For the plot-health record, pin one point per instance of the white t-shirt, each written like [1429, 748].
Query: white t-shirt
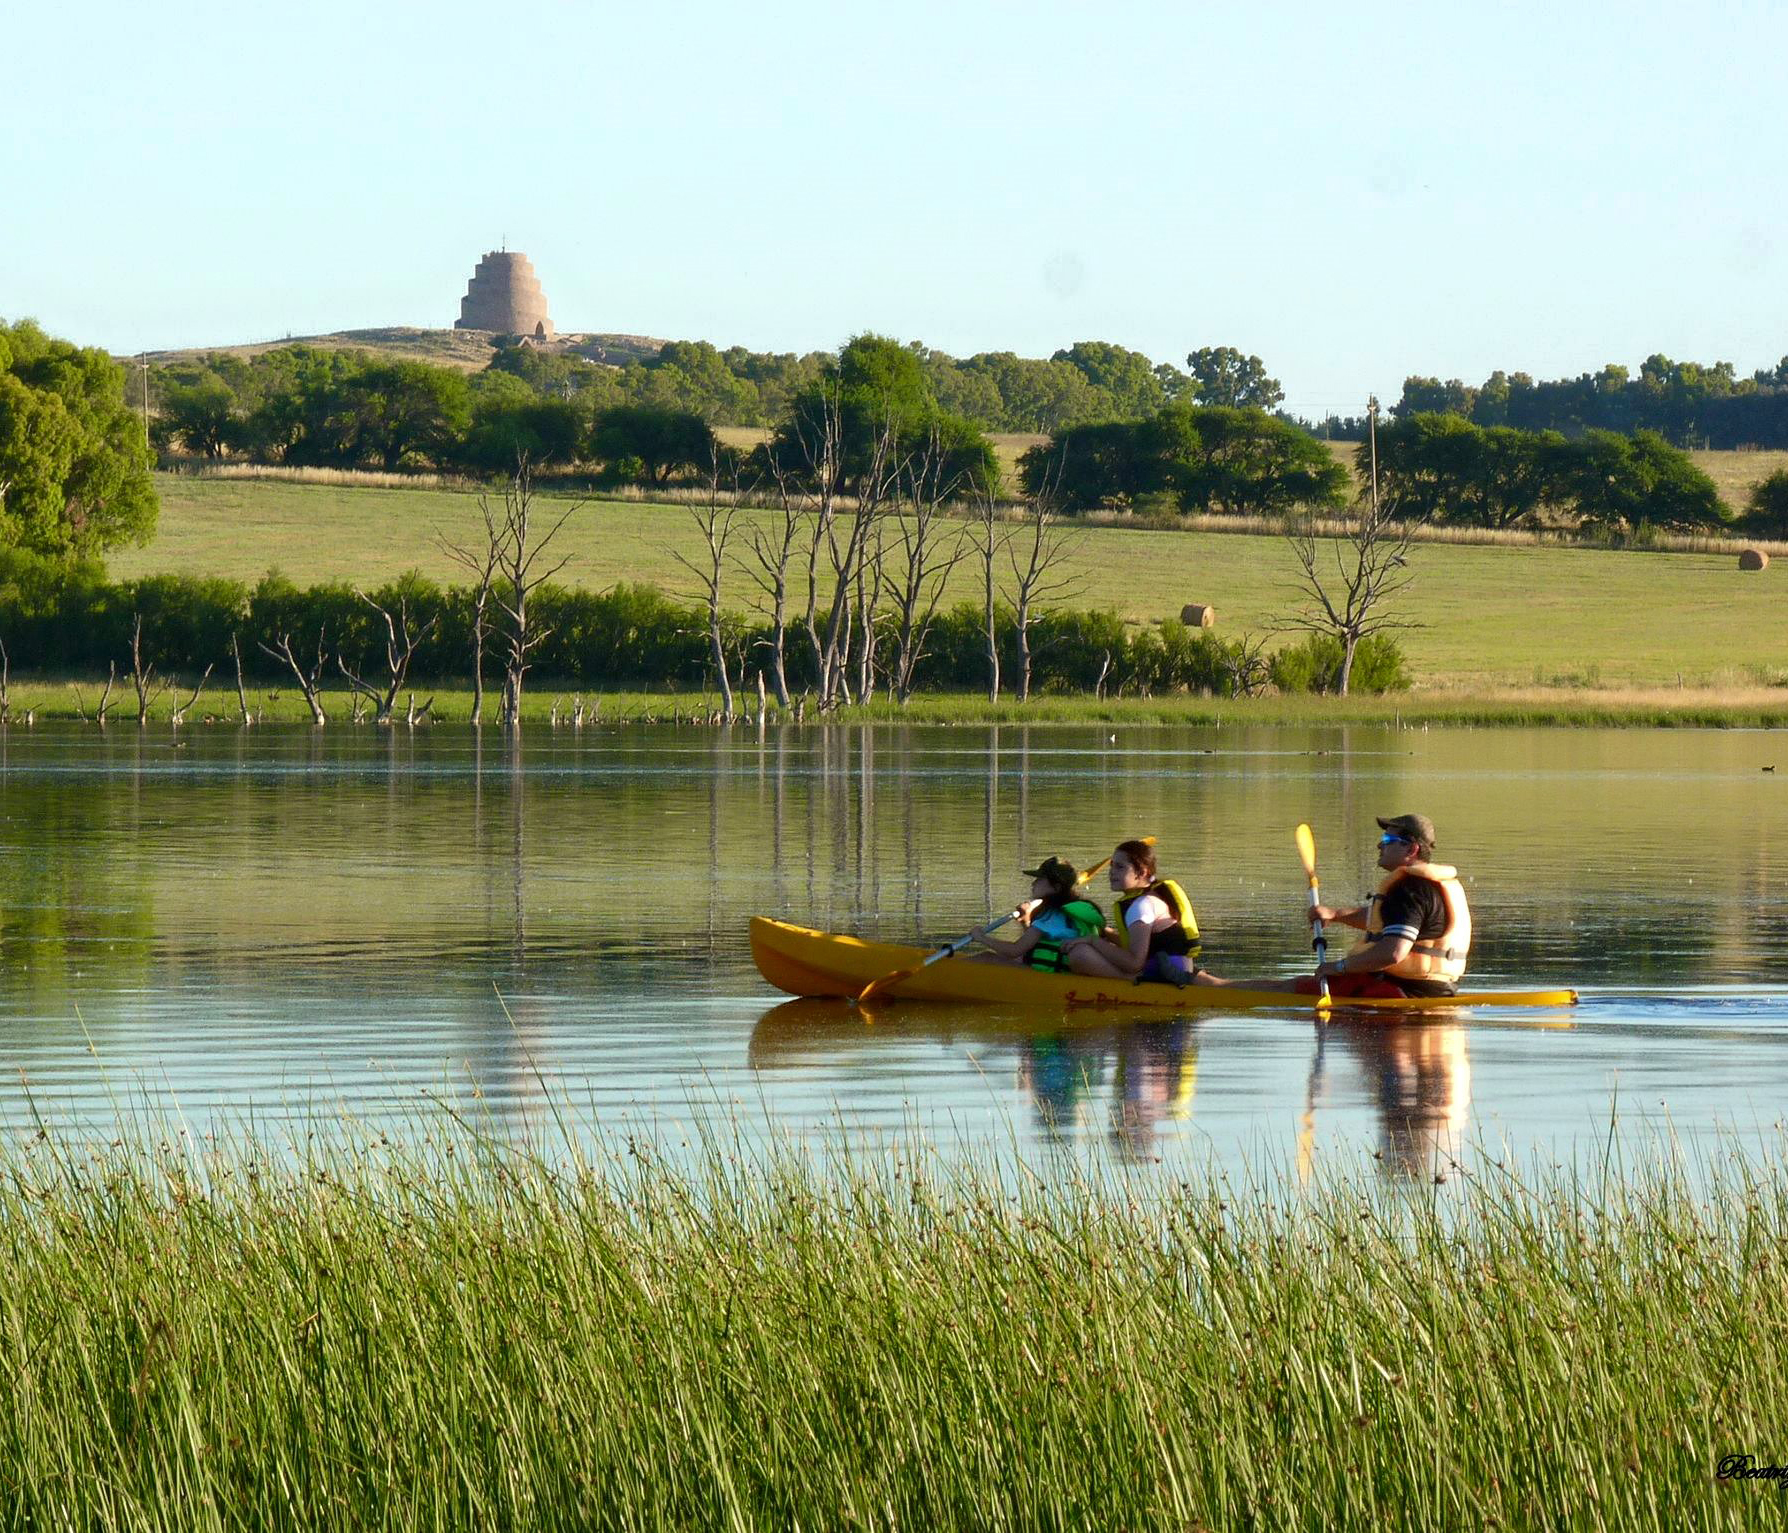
[1148, 910]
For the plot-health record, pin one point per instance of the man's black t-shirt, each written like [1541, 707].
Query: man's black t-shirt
[1416, 909]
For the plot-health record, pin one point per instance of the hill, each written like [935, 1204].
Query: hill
[468, 350]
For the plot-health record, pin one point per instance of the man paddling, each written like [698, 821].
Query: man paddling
[1417, 926]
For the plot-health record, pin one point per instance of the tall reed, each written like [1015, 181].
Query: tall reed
[462, 1332]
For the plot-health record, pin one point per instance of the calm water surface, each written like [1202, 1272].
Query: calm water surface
[287, 928]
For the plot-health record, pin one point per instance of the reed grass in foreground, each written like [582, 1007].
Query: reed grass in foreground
[465, 1335]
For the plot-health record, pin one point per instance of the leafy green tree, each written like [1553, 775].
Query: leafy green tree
[403, 411]
[1241, 461]
[506, 433]
[555, 374]
[1040, 396]
[1442, 468]
[1429, 396]
[300, 416]
[777, 376]
[964, 391]
[1128, 379]
[693, 376]
[202, 416]
[662, 441]
[1425, 459]
[1223, 376]
[1104, 463]
[1766, 511]
[74, 461]
[886, 379]
[880, 389]
[1618, 481]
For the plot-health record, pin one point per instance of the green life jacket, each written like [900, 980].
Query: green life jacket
[1087, 919]
[1177, 941]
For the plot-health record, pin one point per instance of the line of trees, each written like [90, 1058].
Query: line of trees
[1220, 458]
[1689, 404]
[302, 404]
[1432, 467]
[1442, 468]
[373, 642]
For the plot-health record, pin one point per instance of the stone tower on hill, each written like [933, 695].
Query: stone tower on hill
[504, 295]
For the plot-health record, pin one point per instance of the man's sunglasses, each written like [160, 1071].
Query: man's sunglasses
[1389, 838]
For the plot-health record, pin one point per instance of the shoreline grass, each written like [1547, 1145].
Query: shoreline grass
[460, 1332]
[1741, 705]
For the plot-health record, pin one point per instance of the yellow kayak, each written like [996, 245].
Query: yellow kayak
[810, 963]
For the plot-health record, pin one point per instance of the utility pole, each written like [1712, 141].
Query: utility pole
[1372, 430]
[143, 363]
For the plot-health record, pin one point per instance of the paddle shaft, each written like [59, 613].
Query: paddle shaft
[1306, 841]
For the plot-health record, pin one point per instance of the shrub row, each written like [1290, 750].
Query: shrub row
[62, 617]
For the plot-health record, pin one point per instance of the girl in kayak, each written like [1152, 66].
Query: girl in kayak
[1157, 931]
[1054, 916]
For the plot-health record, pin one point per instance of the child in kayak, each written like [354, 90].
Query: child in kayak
[1054, 916]
[1157, 931]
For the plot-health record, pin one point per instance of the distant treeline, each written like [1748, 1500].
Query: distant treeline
[1431, 467]
[307, 405]
[1687, 403]
[66, 617]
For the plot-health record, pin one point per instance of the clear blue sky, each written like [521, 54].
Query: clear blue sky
[1355, 193]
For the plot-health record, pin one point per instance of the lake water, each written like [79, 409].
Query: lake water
[289, 928]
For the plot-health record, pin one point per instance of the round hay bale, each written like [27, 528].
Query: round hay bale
[1753, 559]
[1195, 616]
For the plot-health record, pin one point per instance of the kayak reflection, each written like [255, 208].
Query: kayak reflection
[1134, 1082]
[1418, 1078]
[1134, 1077]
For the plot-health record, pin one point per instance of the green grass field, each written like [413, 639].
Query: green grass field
[1494, 618]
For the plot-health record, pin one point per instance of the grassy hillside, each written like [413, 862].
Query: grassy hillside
[468, 350]
[1497, 617]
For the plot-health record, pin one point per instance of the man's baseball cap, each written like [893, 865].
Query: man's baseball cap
[1059, 873]
[1411, 827]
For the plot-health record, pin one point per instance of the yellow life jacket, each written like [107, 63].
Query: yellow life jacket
[1441, 958]
[1179, 940]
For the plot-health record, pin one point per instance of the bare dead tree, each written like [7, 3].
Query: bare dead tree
[927, 550]
[143, 677]
[419, 715]
[105, 697]
[1039, 552]
[1244, 665]
[481, 563]
[773, 549]
[840, 538]
[520, 564]
[865, 630]
[987, 535]
[177, 716]
[401, 644]
[241, 691]
[309, 681]
[714, 515]
[1353, 600]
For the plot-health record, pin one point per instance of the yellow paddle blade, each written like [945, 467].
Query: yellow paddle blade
[1099, 866]
[878, 987]
[1307, 850]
